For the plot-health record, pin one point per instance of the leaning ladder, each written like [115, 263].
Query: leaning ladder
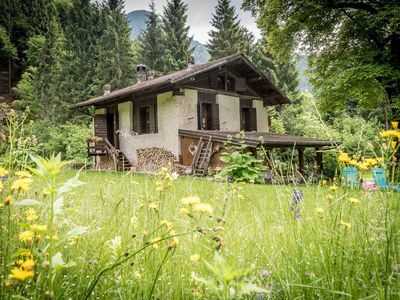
[201, 159]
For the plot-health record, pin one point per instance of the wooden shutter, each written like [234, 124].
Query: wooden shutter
[253, 119]
[215, 116]
[100, 126]
[199, 116]
[136, 118]
[153, 118]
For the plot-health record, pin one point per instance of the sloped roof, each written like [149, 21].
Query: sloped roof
[254, 139]
[185, 74]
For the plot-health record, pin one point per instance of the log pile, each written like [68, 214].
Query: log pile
[151, 160]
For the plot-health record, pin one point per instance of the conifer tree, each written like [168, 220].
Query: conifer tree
[150, 42]
[177, 40]
[114, 59]
[227, 37]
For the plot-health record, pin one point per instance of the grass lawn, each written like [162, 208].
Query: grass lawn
[343, 244]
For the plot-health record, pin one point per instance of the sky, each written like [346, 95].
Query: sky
[199, 15]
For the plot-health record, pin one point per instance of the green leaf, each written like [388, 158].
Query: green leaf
[58, 205]
[69, 185]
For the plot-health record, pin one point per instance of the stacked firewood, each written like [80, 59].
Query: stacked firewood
[153, 159]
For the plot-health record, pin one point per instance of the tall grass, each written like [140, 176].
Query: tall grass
[338, 248]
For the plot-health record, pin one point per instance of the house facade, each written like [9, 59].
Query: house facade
[179, 113]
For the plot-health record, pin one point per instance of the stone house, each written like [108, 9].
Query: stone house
[186, 116]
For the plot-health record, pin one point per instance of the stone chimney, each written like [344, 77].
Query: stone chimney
[106, 89]
[141, 73]
[190, 62]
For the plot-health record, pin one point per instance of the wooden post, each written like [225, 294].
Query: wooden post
[301, 160]
[319, 158]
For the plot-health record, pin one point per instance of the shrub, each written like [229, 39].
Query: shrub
[242, 165]
[67, 139]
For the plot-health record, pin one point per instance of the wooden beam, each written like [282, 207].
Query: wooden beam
[254, 79]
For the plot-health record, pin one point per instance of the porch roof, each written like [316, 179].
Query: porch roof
[255, 139]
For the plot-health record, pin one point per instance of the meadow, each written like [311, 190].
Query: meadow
[127, 236]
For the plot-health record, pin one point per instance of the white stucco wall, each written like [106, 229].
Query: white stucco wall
[262, 116]
[173, 113]
[229, 113]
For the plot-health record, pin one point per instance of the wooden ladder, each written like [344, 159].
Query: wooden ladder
[201, 159]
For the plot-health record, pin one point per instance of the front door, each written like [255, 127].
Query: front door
[113, 127]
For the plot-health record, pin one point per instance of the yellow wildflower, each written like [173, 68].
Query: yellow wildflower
[389, 134]
[167, 224]
[31, 215]
[323, 182]
[194, 257]
[28, 264]
[190, 200]
[23, 174]
[353, 162]
[343, 157]
[174, 243]
[345, 224]
[319, 210]
[333, 187]
[20, 274]
[354, 200]
[393, 144]
[395, 124]
[203, 207]
[152, 205]
[26, 236]
[38, 228]
[47, 191]
[8, 200]
[3, 172]
[184, 211]
[21, 184]
[155, 243]
[363, 166]
[330, 197]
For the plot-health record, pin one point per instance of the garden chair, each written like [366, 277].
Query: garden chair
[351, 177]
[379, 176]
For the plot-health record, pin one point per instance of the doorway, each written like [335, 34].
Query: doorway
[113, 127]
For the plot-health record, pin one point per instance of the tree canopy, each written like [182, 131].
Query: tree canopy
[355, 46]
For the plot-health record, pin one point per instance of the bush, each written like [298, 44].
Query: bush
[242, 165]
[67, 139]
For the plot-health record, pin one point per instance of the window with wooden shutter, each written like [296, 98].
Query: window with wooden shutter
[215, 116]
[248, 115]
[100, 126]
[207, 112]
[145, 115]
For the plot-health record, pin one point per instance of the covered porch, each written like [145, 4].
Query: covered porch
[191, 140]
